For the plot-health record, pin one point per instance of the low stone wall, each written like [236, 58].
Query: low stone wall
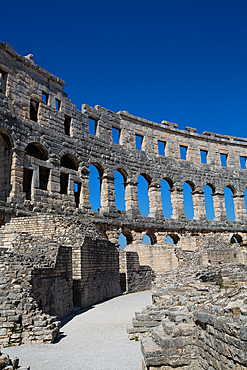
[52, 287]
[160, 258]
[33, 261]
[138, 277]
[100, 279]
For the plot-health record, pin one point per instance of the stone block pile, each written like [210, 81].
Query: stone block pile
[194, 324]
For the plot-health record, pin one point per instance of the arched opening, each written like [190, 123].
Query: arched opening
[166, 186]
[119, 181]
[95, 186]
[36, 150]
[5, 165]
[146, 239]
[152, 237]
[236, 238]
[245, 199]
[228, 192]
[122, 241]
[143, 198]
[209, 203]
[172, 238]
[188, 187]
[69, 161]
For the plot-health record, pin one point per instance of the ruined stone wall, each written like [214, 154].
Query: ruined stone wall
[195, 322]
[138, 277]
[190, 251]
[45, 154]
[100, 278]
[36, 284]
[160, 258]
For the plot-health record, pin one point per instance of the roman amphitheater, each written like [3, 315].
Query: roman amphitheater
[56, 252]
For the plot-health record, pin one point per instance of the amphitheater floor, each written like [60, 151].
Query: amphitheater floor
[92, 340]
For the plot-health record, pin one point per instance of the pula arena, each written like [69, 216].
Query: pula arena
[57, 252]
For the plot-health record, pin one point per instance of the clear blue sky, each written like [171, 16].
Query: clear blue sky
[179, 60]
[183, 61]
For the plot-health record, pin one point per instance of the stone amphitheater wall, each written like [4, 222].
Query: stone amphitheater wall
[46, 149]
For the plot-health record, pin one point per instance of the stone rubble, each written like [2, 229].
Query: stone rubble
[195, 322]
[6, 363]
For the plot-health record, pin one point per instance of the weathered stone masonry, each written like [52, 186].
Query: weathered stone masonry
[46, 148]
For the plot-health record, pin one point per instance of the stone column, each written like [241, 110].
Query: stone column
[113, 234]
[161, 237]
[70, 190]
[177, 201]
[107, 194]
[155, 201]
[53, 185]
[239, 207]
[35, 183]
[16, 177]
[84, 196]
[199, 205]
[137, 236]
[219, 207]
[131, 199]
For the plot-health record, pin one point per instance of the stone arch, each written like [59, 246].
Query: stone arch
[128, 236]
[209, 191]
[120, 179]
[174, 237]
[6, 144]
[143, 183]
[188, 189]
[125, 172]
[37, 150]
[167, 186]
[152, 237]
[96, 172]
[232, 188]
[8, 140]
[236, 238]
[69, 161]
[229, 192]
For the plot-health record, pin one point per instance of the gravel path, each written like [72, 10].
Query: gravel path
[93, 340]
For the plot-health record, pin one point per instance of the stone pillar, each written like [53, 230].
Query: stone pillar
[84, 196]
[219, 207]
[131, 199]
[161, 237]
[54, 180]
[155, 201]
[107, 194]
[177, 201]
[137, 236]
[35, 183]
[70, 190]
[113, 234]
[239, 207]
[199, 205]
[16, 177]
[35, 179]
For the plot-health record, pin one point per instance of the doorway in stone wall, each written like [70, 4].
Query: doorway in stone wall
[5, 166]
